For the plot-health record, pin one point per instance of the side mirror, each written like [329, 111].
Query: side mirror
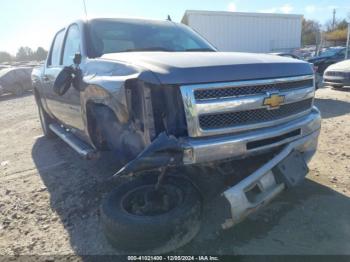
[70, 75]
[77, 59]
[63, 81]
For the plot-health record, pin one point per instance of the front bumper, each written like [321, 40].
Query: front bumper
[336, 77]
[265, 180]
[336, 81]
[201, 150]
[303, 144]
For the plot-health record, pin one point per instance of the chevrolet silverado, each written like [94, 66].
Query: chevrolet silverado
[175, 112]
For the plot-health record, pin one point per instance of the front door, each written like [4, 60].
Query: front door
[72, 114]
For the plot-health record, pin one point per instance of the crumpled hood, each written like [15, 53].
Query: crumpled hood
[204, 67]
[341, 66]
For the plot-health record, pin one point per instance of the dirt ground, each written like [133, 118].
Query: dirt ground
[49, 197]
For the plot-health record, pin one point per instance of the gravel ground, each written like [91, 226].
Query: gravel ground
[49, 198]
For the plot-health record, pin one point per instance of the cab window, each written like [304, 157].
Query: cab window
[55, 55]
[72, 45]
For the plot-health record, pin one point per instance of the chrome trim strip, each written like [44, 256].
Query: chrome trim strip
[199, 150]
[250, 82]
[194, 108]
[190, 111]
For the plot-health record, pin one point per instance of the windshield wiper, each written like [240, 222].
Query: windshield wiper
[199, 50]
[147, 49]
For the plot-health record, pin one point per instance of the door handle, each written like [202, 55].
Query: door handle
[46, 78]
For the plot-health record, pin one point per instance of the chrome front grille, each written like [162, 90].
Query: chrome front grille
[338, 73]
[204, 94]
[220, 108]
[223, 120]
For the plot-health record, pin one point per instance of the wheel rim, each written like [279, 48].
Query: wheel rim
[146, 201]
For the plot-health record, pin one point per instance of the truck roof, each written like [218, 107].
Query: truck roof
[126, 19]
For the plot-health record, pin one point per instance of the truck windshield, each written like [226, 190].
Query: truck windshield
[113, 36]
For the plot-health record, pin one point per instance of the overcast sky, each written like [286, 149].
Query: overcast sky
[33, 23]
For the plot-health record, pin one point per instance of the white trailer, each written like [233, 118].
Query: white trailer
[247, 32]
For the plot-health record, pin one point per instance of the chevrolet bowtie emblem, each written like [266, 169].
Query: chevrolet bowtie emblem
[273, 101]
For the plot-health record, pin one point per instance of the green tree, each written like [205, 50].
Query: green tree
[24, 54]
[343, 24]
[309, 32]
[5, 57]
[338, 25]
[40, 54]
[338, 34]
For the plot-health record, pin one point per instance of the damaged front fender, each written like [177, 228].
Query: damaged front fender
[164, 151]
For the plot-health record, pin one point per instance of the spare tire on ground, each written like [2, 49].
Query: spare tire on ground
[136, 218]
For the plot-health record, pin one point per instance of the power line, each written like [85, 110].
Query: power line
[347, 43]
[85, 8]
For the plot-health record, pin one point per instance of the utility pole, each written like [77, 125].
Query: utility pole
[85, 10]
[318, 42]
[333, 24]
[347, 43]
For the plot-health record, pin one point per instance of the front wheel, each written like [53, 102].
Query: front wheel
[137, 218]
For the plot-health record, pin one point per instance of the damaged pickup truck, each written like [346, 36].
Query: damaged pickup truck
[180, 117]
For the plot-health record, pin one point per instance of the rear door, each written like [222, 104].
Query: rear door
[52, 69]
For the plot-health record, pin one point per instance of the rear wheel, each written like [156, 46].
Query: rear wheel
[45, 119]
[18, 89]
[139, 219]
[337, 86]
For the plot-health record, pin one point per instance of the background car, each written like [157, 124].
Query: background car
[328, 57]
[287, 55]
[4, 66]
[338, 75]
[15, 80]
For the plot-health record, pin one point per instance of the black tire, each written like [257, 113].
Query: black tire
[151, 234]
[337, 87]
[45, 119]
